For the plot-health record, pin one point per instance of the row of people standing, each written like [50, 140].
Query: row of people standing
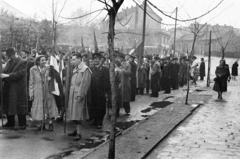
[166, 74]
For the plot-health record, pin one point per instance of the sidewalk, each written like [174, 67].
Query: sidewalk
[212, 133]
[31, 143]
[135, 143]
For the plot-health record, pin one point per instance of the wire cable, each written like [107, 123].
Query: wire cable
[185, 20]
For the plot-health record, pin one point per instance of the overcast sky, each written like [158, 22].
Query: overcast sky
[227, 13]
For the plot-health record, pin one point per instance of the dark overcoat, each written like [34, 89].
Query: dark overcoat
[141, 77]
[167, 77]
[181, 76]
[174, 75]
[202, 69]
[235, 69]
[133, 78]
[14, 89]
[99, 87]
[222, 75]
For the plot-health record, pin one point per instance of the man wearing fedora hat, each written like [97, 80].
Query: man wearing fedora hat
[100, 88]
[14, 90]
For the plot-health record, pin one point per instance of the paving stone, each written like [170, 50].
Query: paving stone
[212, 133]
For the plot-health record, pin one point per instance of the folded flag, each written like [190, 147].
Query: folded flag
[55, 72]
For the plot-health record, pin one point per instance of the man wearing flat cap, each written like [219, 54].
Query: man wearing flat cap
[14, 90]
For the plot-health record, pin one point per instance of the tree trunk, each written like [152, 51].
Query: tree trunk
[111, 34]
[223, 53]
[189, 57]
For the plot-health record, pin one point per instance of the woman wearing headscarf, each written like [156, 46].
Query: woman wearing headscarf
[222, 76]
[235, 70]
[44, 104]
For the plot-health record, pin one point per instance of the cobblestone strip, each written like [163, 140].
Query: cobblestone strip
[212, 133]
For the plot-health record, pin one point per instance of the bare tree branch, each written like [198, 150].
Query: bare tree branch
[62, 9]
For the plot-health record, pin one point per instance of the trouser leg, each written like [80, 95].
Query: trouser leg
[126, 106]
[141, 91]
[58, 102]
[99, 120]
[11, 120]
[147, 86]
[22, 120]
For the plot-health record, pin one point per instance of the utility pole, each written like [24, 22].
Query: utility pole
[143, 34]
[175, 32]
[209, 59]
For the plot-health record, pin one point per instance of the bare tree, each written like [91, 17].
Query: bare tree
[224, 38]
[195, 30]
[112, 9]
[55, 17]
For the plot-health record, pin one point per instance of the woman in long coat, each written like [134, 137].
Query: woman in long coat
[235, 70]
[43, 101]
[202, 69]
[222, 76]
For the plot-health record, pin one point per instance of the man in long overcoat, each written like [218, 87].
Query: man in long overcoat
[14, 90]
[80, 83]
[133, 76]
[141, 79]
[167, 76]
[100, 88]
[147, 70]
[202, 69]
[175, 74]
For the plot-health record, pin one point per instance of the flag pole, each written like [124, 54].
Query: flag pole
[67, 82]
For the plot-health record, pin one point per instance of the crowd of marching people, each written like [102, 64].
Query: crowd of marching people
[50, 86]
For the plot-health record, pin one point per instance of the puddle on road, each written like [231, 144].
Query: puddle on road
[168, 97]
[161, 104]
[60, 155]
[156, 105]
[200, 90]
[146, 110]
[47, 139]
[126, 125]
[13, 137]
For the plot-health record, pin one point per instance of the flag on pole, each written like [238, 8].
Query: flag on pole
[95, 43]
[55, 72]
[137, 50]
